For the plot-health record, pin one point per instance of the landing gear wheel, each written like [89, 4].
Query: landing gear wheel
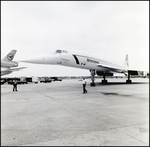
[104, 81]
[128, 81]
[92, 84]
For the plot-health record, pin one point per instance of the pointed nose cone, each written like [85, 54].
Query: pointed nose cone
[35, 60]
[44, 59]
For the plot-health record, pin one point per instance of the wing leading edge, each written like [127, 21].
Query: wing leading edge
[6, 71]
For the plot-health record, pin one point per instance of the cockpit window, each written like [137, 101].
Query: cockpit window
[61, 51]
[64, 51]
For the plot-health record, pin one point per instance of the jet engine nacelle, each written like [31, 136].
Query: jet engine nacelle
[101, 73]
[143, 74]
[139, 73]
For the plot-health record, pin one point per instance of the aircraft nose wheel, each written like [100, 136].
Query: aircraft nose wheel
[92, 84]
[92, 75]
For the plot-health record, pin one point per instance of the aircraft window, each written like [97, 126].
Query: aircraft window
[58, 51]
[64, 51]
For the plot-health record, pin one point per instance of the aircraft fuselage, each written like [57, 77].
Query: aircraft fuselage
[87, 61]
[77, 60]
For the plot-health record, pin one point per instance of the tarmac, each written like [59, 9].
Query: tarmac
[59, 114]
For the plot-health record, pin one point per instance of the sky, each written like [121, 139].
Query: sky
[108, 29]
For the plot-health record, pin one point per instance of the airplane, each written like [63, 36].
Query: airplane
[87, 61]
[7, 62]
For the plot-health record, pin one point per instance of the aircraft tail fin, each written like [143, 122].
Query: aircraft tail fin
[10, 56]
[126, 62]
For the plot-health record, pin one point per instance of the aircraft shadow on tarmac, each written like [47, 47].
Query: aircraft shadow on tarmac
[115, 94]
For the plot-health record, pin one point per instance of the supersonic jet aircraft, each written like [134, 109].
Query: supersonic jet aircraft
[7, 63]
[86, 61]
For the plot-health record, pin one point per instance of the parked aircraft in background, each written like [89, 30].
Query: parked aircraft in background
[7, 63]
[86, 61]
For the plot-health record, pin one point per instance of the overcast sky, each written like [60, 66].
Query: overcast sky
[108, 29]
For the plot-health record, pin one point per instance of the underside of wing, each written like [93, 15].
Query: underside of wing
[5, 71]
[138, 72]
[16, 69]
[118, 69]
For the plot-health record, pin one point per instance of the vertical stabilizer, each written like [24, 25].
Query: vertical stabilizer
[126, 62]
[10, 56]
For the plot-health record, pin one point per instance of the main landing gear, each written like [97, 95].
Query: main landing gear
[104, 81]
[128, 81]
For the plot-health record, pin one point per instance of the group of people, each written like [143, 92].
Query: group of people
[83, 80]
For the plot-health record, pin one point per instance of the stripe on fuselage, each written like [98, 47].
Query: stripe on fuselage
[77, 61]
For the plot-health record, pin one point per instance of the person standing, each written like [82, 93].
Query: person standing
[84, 85]
[15, 85]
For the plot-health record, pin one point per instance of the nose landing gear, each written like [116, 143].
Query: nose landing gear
[92, 75]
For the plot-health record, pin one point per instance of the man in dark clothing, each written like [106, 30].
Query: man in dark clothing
[15, 85]
[84, 85]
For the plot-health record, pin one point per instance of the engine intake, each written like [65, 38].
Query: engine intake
[101, 73]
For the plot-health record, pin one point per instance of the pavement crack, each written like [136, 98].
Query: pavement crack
[130, 125]
[131, 136]
[43, 94]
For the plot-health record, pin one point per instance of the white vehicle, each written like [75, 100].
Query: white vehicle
[86, 61]
[7, 63]
[35, 80]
